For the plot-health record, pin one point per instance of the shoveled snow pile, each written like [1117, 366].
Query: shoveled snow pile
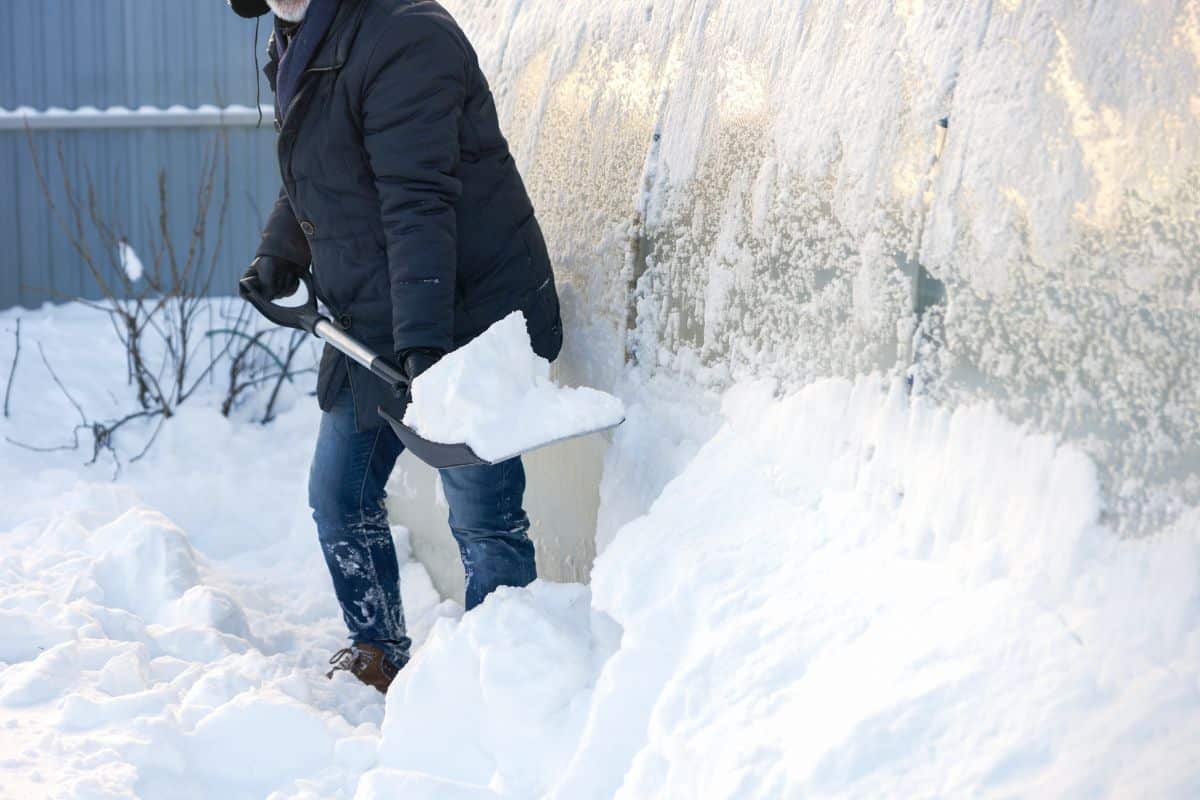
[843, 594]
[495, 394]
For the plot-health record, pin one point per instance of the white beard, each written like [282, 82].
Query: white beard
[289, 10]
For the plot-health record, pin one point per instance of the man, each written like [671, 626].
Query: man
[400, 192]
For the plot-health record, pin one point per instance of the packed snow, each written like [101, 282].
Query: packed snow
[840, 591]
[121, 117]
[495, 394]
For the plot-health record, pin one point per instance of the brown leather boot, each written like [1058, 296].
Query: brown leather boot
[367, 663]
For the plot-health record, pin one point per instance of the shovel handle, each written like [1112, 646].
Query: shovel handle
[307, 318]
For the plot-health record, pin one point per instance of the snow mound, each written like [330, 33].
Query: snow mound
[148, 680]
[520, 669]
[846, 592]
[260, 738]
[142, 563]
[495, 394]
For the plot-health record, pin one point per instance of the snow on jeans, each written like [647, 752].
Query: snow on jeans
[346, 492]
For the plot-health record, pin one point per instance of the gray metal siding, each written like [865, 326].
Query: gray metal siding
[73, 53]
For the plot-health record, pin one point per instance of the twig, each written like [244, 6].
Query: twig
[253, 341]
[103, 433]
[161, 419]
[83, 417]
[294, 345]
[50, 449]
[13, 372]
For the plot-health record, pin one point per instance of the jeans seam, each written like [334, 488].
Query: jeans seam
[362, 488]
[380, 596]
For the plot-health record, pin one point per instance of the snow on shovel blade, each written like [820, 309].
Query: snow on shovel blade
[446, 456]
[558, 439]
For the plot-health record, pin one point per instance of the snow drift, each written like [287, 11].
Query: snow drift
[844, 593]
[838, 591]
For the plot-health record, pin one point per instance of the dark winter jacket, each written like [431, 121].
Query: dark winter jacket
[399, 189]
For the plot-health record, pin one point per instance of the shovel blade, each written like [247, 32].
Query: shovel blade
[447, 456]
[435, 454]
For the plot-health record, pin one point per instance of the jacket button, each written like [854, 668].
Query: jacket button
[344, 320]
[308, 228]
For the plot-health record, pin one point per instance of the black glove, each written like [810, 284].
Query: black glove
[416, 360]
[273, 277]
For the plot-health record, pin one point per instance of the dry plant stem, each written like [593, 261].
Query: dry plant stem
[63, 388]
[294, 344]
[12, 373]
[103, 433]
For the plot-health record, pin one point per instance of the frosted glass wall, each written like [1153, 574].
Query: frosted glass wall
[764, 188]
[992, 200]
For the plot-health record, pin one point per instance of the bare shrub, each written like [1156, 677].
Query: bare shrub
[174, 336]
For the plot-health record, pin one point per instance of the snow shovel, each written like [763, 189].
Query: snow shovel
[307, 318]
[436, 454]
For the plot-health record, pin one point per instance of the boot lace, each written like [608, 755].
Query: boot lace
[344, 659]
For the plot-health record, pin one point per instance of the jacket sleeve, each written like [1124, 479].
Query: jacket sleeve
[282, 237]
[412, 105]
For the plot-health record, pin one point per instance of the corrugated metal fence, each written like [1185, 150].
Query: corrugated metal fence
[70, 54]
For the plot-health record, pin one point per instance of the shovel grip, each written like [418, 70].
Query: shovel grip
[304, 318]
[307, 318]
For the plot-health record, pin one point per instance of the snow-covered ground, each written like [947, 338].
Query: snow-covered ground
[840, 592]
[166, 634]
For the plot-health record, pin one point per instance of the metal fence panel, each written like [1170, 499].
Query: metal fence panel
[103, 53]
[71, 53]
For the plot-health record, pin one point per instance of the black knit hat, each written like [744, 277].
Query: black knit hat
[248, 8]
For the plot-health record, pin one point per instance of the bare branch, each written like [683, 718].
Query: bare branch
[66, 394]
[12, 373]
[293, 347]
[149, 442]
[50, 449]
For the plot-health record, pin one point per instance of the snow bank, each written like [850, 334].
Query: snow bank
[496, 395]
[521, 672]
[843, 593]
[836, 591]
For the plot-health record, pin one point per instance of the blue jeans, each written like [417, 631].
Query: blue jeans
[346, 492]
